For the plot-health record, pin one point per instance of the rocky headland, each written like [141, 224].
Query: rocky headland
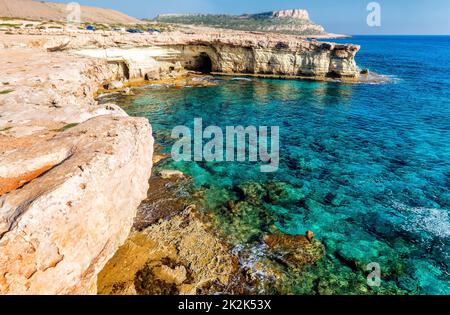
[293, 22]
[73, 172]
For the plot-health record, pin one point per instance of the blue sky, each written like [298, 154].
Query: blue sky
[337, 16]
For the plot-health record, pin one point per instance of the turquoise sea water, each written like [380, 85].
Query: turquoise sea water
[364, 166]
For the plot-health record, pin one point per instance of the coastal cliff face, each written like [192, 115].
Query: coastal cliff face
[60, 230]
[295, 14]
[236, 52]
[227, 51]
[72, 173]
[305, 59]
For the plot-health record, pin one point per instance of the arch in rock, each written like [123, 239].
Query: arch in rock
[203, 63]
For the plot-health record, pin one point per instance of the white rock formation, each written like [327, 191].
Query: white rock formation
[295, 14]
[58, 231]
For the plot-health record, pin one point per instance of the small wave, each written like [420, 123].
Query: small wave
[199, 79]
[434, 221]
[105, 95]
[250, 256]
[375, 79]
[242, 79]
[390, 78]
[153, 86]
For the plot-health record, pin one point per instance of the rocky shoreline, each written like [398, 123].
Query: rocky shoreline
[73, 172]
[176, 247]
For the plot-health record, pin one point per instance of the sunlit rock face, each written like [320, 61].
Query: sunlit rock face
[295, 14]
[228, 51]
[72, 173]
[299, 59]
[59, 230]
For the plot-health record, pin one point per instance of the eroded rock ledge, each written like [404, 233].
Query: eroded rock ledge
[227, 51]
[72, 173]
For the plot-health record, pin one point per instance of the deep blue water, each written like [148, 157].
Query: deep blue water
[364, 166]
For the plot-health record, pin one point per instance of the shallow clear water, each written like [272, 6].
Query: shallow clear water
[365, 166]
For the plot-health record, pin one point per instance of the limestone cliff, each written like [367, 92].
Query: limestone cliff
[306, 59]
[227, 51]
[294, 14]
[72, 173]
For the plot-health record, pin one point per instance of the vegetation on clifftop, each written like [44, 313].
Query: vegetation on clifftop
[248, 22]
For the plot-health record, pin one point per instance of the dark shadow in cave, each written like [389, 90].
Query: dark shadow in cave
[203, 63]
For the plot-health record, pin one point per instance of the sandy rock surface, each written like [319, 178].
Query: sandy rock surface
[58, 231]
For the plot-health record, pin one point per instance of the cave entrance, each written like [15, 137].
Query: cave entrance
[125, 70]
[203, 63]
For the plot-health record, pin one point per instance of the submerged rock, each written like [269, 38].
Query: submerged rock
[243, 221]
[175, 256]
[168, 174]
[165, 199]
[251, 191]
[284, 193]
[295, 250]
[365, 72]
